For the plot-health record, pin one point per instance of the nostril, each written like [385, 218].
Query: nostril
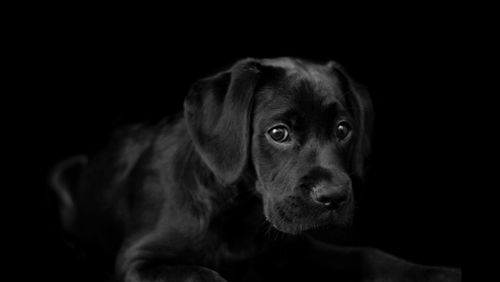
[331, 197]
[330, 203]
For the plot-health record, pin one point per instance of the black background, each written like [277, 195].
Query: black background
[81, 80]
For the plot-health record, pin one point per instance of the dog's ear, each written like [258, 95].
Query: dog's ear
[64, 180]
[361, 109]
[218, 114]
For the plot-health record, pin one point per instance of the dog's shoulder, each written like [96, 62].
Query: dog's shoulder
[137, 144]
[127, 146]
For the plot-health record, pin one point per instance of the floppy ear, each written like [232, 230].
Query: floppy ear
[218, 113]
[64, 181]
[360, 106]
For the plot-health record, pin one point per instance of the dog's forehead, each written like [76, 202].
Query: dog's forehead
[302, 76]
[302, 86]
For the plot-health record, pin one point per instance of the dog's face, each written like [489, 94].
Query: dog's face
[302, 132]
[303, 128]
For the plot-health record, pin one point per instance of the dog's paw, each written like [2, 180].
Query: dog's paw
[172, 273]
[430, 274]
[205, 275]
[444, 275]
[420, 273]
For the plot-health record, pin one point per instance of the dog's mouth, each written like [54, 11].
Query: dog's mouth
[294, 215]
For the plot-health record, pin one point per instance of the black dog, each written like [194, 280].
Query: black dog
[271, 140]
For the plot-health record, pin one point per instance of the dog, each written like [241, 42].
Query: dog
[267, 143]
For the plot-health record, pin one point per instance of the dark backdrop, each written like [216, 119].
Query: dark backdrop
[85, 80]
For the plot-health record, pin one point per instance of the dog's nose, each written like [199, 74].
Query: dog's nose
[330, 196]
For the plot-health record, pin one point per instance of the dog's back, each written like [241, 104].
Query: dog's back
[102, 198]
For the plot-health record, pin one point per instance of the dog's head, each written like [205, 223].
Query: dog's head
[304, 127]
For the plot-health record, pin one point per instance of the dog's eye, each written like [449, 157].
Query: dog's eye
[279, 133]
[343, 130]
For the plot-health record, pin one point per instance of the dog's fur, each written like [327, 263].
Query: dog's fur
[187, 200]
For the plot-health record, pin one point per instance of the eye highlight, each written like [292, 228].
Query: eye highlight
[279, 134]
[343, 130]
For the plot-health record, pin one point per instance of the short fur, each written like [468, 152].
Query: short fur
[186, 200]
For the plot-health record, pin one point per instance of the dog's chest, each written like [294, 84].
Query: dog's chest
[239, 232]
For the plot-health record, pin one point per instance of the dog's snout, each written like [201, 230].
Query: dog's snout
[329, 196]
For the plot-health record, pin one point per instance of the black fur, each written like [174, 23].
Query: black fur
[188, 200]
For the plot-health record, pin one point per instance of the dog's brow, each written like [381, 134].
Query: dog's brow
[332, 109]
[304, 113]
[290, 116]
